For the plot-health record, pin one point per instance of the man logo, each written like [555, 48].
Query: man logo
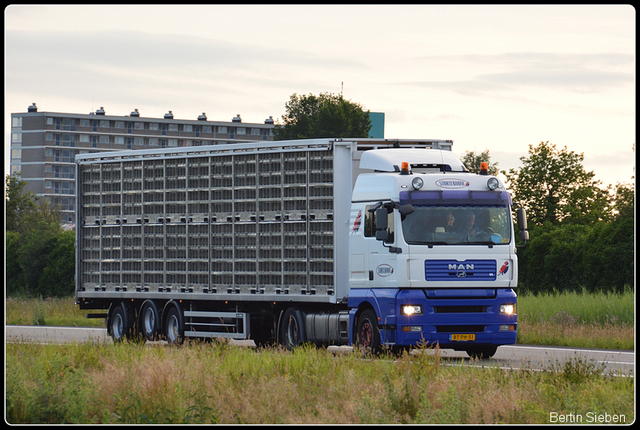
[460, 266]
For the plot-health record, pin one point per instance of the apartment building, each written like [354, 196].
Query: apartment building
[44, 144]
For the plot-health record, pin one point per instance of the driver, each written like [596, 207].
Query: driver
[467, 226]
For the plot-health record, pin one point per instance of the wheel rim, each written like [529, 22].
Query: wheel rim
[366, 334]
[292, 331]
[117, 327]
[173, 328]
[149, 320]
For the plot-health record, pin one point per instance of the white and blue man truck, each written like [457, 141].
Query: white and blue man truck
[369, 242]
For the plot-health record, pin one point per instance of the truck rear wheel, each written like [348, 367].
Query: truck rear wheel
[174, 326]
[368, 332]
[119, 327]
[292, 329]
[149, 320]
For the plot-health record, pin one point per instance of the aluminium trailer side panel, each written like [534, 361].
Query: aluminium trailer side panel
[252, 222]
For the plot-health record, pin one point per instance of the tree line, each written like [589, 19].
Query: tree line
[581, 233]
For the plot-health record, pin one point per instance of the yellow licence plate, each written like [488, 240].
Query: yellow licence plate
[462, 337]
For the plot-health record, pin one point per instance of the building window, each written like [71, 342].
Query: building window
[241, 130]
[104, 124]
[69, 124]
[153, 141]
[68, 140]
[48, 184]
[173, 142]
[206, 129]
[119, 140]
[222, 130]
[16, 122]
[173, 127]
[104, 139]
[85, 138]
[138, 140]
[49, 121]
[85, 123]
[16, 153]
[138, 125]
[16, 137]
[154, 126]
[119, 124]
[187, 128]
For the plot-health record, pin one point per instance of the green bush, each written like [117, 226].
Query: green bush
[572, 257]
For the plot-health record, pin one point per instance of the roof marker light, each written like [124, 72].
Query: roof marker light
[405, 168]
[484, 168]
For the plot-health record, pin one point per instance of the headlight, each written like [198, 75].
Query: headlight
[411, 310]
[493, 183]
[508, 309]
[417, 183]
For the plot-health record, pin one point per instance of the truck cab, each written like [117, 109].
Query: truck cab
[432, 254]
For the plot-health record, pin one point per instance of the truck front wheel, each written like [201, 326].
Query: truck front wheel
[368, 332]
[487, 351]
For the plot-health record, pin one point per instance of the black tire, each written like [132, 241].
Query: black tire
[174, 326]
[368, 332]
[119, 325]
[292, 332]
[149, 320]
[486, 351]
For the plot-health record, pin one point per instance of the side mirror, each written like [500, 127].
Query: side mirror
[522, 225]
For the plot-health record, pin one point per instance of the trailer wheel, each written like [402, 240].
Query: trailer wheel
[119, 325]
[368, 332]
[486, 351]
[174, 326]
[149, 320]
[292, 329]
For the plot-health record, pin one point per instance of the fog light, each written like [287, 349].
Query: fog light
[507, 327]
[411, 310]
[508, 309]
[411, 328]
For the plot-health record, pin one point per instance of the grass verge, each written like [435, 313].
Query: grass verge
[216, 383]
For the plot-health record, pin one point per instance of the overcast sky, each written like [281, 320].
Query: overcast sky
[488, 77]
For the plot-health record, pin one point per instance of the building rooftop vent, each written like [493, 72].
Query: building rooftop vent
[237, 119]
[168, 115]
[100, 111]
[202, 117]
[135, 113]
[32, 108]
[269, 120]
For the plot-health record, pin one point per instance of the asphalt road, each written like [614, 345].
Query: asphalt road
[533, 357]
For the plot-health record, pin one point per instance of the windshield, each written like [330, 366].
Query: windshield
[457, 225]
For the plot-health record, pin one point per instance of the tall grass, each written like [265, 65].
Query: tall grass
[590, 320]
[49, 311]
[214, 383]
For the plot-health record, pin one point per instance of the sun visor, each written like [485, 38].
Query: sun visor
[454, 197]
